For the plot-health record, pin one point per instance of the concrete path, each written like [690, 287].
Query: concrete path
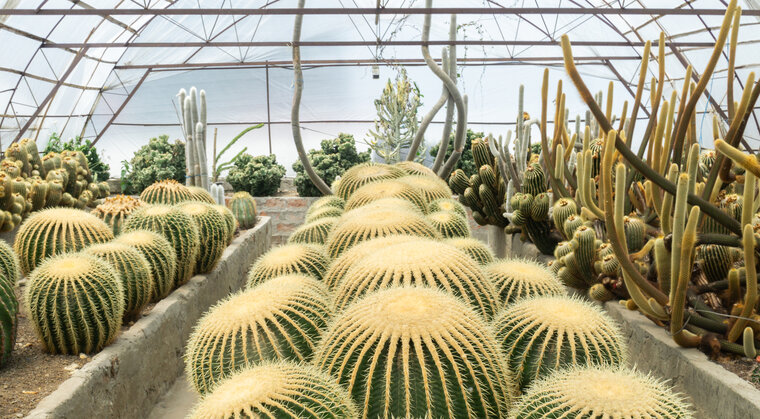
[177, 403]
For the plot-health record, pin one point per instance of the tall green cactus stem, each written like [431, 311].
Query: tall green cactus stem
[166, 192]
[212, 231]
[315, 232]
[280, 389]
[476, 249]
[178, 228]
[76, 303]
[386, 189]
[200, 195]
[342, 264]
[663, 265]
[572, 223]
[133, 271]
[516, 279]
[9, 265]
[431, 188]
[449, 224]
[447, 204]
[458, 181]
[289, 259]
[562, 209]
[421, 262]
[279, 319]
[365, 173]
[161, 258]
[229, 221]
[750, 296]
[115, 210]
[243, 207]
[416, 352]
[55, 231]
[546, 333]
[8, 319]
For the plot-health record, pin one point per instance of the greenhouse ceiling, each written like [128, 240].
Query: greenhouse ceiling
[108, 70]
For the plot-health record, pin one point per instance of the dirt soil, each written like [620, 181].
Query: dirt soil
[745, 368]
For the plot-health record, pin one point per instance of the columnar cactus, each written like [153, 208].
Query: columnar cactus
[542, 334]
[315, 232]
[365, 173]
[279, 390]
[563, 208]
[531, 210]
[229, 221]
[600, 392]
[8, 263]
[200, 195]
[289, 259]
[447, 204]
[449, 224]
[8, 320]
[166, 192]
[476, 249]
[115, 210]
[415, 169]
[133, 271]
[212, 230]
[178, 228]
[162, 260]
[340, 266]
[75, 302]
[431, 188]
[516, 279]
[243, 207]
[55, 231]
[386, 189]
[279, 319]
[420, 262]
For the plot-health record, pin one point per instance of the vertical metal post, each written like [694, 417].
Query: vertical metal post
[269, 117]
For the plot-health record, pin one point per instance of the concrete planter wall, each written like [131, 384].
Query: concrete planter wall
[287, 214]
[128, 377]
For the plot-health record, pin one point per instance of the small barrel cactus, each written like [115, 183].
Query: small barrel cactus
[280, 389]
[341, 265]
[75, 302]
[449, 224]
[600, 392]
[414, 168]
[562, 209]
[543, 334]
[323, 212]
[475, 248]
[8, 263]
[448, 204]
[289, 259]
[212, 230]
[8, 320]
[416, 352]
[161, 258]
[279, 319]
[520, 278]
[315, 232]
[365, 173]
[55, 231]
[386, 189]
[199, 194]
[166, 192]
[134, 272]
[243, 207]
[229, 221]
[327, 201]
[431, 187]
[115, 210]
[177, 227]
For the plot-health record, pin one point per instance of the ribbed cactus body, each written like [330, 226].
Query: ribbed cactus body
[420, 262]
[635, 233]
[340, 266]
[732, 205]
[279, 319]
[600, 392]
[229, 221]
[133, 270]
[572, 223]
[55, 231]
[458, 181]
[476, 249]
[416, 352]
[289, 259]
[75, 302]
[243, 207]
[178, 228]
[534, 180]
[716, 261]
[277, 390]
[327, 201]
[415, 169]
[431, 187]
[315, 232]
[166, 192]
[323, 212]
[374, 191]
[162, 260]
[449, 224]
[516, 279]
[546, 333]
[199, 194]
[564, 208]
[447, 204]
[212, 230]
[115, 210]
[365, 173]
[9, 268]
[8, 320]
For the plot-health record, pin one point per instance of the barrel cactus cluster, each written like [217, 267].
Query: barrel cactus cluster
[404, 317]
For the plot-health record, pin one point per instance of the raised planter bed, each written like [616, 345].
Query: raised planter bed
[128, 377]
[715, 392]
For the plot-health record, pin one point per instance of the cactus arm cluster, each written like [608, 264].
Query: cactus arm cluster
[216, 167]
[193, 119]
[420, 135]
[750, 298]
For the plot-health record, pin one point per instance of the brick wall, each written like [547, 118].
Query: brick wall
[287, 213]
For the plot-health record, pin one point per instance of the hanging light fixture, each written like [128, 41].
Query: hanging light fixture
[375, 71]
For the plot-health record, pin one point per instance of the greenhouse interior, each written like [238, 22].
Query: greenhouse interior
[379, 209]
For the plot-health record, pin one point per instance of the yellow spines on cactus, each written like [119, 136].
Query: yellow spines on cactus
[327, 201]
[8, 317]
[9, 265]
[54, 231]
[243, 207]
[297, 258]
[229, 221]
[133, 271]
[341, 265]
[416, 352]
[516, 279]
[374, 191]
[448, 204]
[166, 192]
[362, 174]
[449, 224]
[431, 188]
[212, 230]
[200, 195]
[415, 169]
[315, 232]
[162, 260]
[115, 210]
[323, 212]
[476, 249]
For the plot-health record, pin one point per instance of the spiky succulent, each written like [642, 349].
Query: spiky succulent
[289, 259]
[115, 210]
[166, 192]
[386, 189]
[199, 194]
[8, 263]
[476, 249]
[315, 232]
[75, 302]
[416, 352]
[229, 221]
[716, 260]
[161, 258]
[55, 231]
[420, 262]
[243, 207]
[8, 320]
[323, 212]
[341, 265]
[212, 229]
[516, 279]
[414, 168]
[133, 271]
[431, 188]
[545, 333]
[327, 201]
[600, 392]
[280, 319]
[449, 224]
[365, 173]
[447, 204]
[280, 389]
[563, 208]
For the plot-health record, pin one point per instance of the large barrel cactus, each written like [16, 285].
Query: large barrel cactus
[520, 278]
[600, 392]
[323, 212]
[199, 194]
[420, 262]
[365, 173]
[289, 259]
[448, 204]
[432, 188]
[243, 207]
[327, 201]
[115, 210]
[212, 230]
[166, 192]
[449, 224]
[341, 265]
[8, 263]
[280, 319]
[277, 390]
[315, 232]
[161, 258]
[8, 320]
[417, 352]
[386, 189]
[134, 272]
[229, 221]
[75, 302]
[178, 228]
[55, 231]
[414, 168]
[543, 334]
[475, 248]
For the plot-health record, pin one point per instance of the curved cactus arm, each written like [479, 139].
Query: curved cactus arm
[558, 188]
[189, 145]
[445, 171]
[677, 329]
[736, 129]
[420, 135]
[748, 206]
[750, 296]
[452, 70]
[747, 161]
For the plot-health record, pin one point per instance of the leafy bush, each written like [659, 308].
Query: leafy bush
[335, 157]
[465, 163]
[158, 160]
[99, 169]
[259, 176]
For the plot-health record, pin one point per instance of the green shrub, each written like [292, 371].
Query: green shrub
[466, 162]
[259, 176]
[100, 170]
[158, 160]
[335, 157]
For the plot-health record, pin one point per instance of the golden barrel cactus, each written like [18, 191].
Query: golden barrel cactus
[431, 188]
[414, 168]
[199, 194]
[315, 232]
[448, 204]
[362, 174]
[341, 265]
[449, 224]
[521, 278]
[115, 210]
[229, 221]
[243, 207]
[133, 271]
[289, 259]
[166, 192]
[476, 249]
[212, 231]
[162, 261]
[386, 189]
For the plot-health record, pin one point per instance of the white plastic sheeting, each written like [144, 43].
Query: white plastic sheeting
[98, 86]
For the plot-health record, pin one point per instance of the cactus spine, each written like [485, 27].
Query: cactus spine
[133, 271]
[166, 192]
[8, 320]
[115, 210]
[212, 229]
[386, 189]
[365, 173]
[159, 253]
[340, 266]
[289, 259]
[243, 207]
[516, 279]
[476, 249]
